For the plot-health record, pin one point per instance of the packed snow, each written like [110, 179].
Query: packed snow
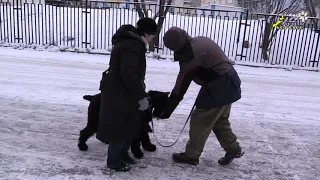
[42, 111]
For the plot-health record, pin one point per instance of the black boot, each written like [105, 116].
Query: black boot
[118, 157]
[183, 158]
[146, 143]
[227, 159]
[125, 157]
[135, 148]
[122, 168]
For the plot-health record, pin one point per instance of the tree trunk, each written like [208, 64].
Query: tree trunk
[312, 12]
[139, 10]
[143, 12]
[266, 41]
[162, 14]
[144, 8]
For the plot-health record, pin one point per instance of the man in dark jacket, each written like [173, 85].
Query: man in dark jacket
[123, 96]
[204, 62]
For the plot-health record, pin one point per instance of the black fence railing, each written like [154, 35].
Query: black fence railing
[292, 42]
[249, 38]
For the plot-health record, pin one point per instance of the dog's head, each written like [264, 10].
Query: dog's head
[92, 98]
[158, 101]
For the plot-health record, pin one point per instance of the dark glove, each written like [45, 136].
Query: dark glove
[171, 105]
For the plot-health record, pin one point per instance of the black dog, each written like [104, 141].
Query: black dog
[157, 100]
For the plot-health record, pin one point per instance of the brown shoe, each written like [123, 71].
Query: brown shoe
[183, 158]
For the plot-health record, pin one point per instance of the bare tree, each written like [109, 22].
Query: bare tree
[141, 8]
[265, 6]
[276, 7]
[160, 15]
[255, 6]
[312, 6]
[272, 10]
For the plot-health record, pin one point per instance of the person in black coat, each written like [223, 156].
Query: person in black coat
[123, 96]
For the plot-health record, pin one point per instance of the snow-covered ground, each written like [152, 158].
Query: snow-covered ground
[277, 122]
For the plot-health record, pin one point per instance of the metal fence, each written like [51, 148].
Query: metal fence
[292, 42]
[78, 24]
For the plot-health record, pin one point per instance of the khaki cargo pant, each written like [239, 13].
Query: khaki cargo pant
[204, 121]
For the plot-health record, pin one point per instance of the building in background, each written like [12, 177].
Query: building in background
[19, 2]
[198, 3]
[220, 2]
[207, 4]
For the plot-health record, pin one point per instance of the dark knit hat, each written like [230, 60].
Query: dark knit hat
[147, 25]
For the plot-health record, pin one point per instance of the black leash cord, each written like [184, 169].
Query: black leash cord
[178, 135]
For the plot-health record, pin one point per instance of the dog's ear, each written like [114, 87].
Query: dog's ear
[87, 97]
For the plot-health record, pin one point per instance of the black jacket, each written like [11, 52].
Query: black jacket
[124, 83]
[122, 87]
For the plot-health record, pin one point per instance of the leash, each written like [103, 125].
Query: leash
[153, 132]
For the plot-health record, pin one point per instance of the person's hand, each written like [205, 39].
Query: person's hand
[143, 104]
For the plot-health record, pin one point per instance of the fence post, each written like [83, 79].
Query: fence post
[161, 14]
[86, 24]
[18, 24]
[244, 34]
[16, 27]
[315, 54]
[317, 31]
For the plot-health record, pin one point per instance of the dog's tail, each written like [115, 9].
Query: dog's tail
[88, 97]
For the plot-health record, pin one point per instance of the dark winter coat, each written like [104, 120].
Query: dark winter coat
[122, 87]
[204, 62]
